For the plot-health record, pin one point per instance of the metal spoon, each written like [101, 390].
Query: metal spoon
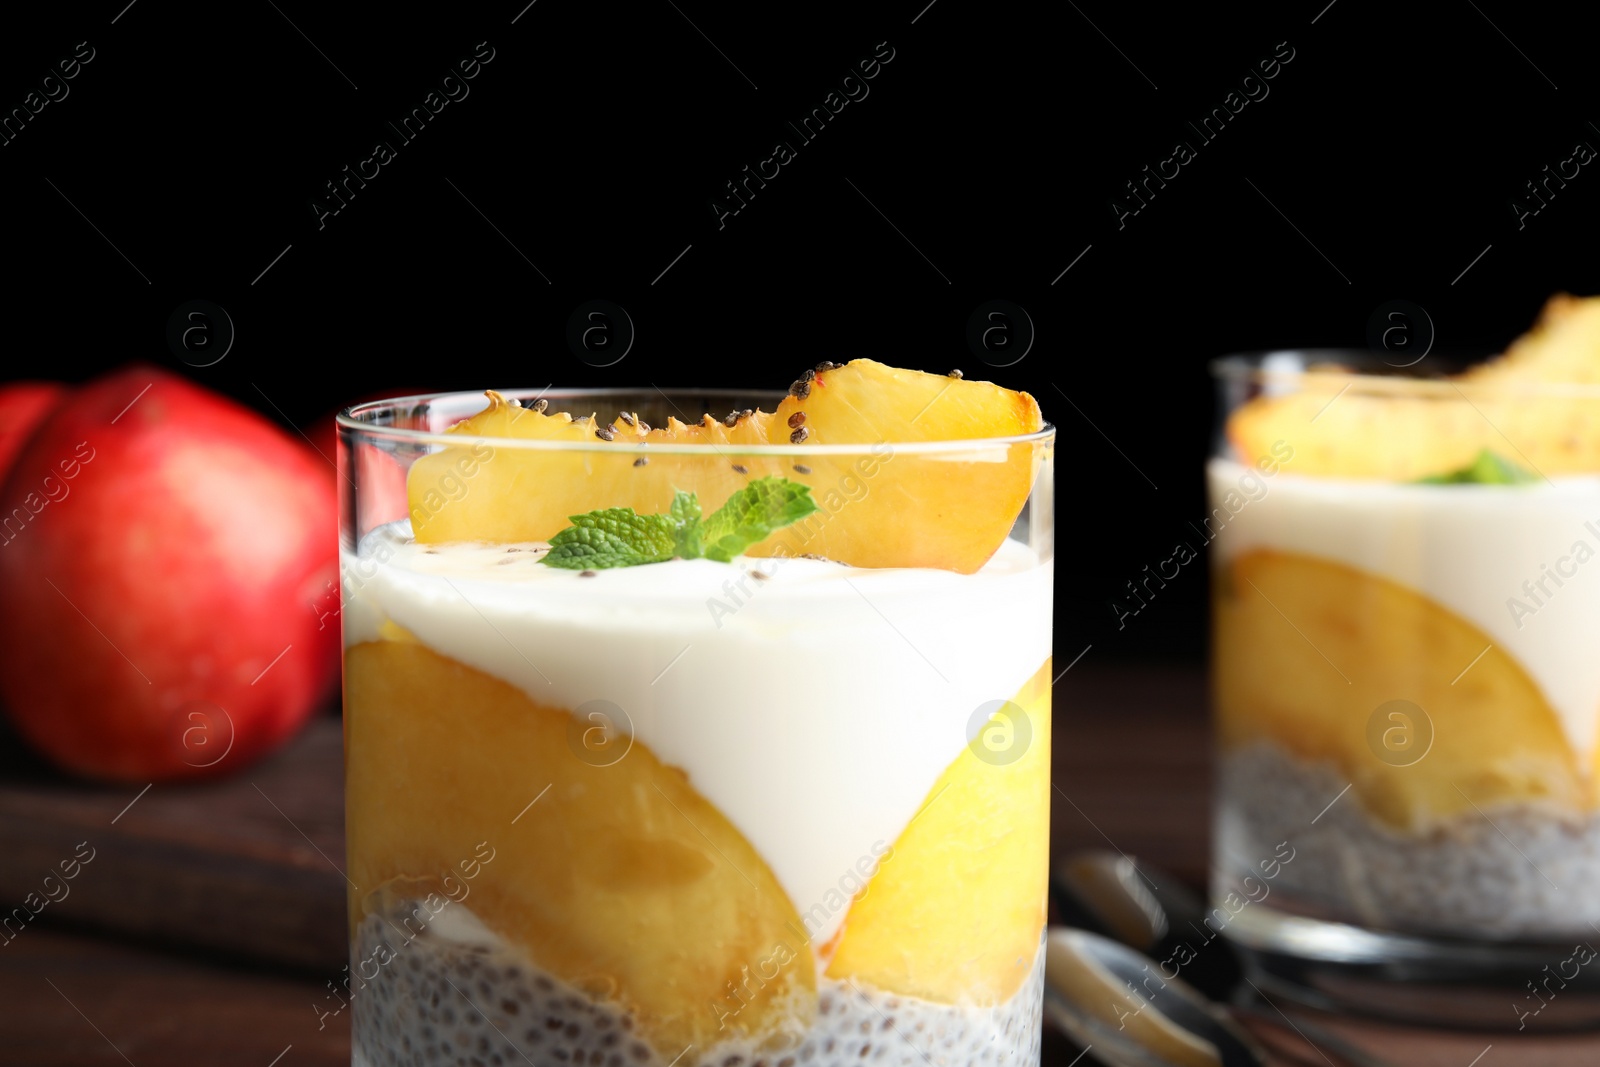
[1149, 909]
[1111, 1000]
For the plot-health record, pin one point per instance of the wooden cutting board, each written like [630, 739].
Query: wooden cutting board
[250, 865]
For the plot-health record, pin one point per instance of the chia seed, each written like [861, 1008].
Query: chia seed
[411, 1014]
[1529, 873]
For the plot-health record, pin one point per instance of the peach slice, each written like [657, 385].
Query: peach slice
[1347, 642]
[1342, 432]
[1562, 347]
[879, 508]
[955, 911]
[621, 879]
[1339, 427]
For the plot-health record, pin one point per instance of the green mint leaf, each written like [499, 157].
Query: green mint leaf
[1486, 468]
[685, 514]
[620, 537]
[751, 514]
[612, 537]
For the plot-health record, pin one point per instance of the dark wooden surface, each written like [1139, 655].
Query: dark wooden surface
[159, 957]
[244, 865]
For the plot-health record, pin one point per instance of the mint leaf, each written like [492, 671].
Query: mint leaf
[685, 513]
[612, 537]
[751, 514]
[621, 537]
[1486, 468]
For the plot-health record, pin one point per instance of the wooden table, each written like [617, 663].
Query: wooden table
[1131, 771]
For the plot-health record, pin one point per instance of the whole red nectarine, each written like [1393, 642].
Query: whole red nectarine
[166, 557]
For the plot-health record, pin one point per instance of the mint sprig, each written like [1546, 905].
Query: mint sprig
[621, 537]
[1487, 468]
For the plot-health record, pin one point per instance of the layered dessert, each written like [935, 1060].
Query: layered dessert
[705, 744]
[1406, 681]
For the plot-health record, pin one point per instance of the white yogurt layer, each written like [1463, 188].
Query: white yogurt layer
[1522, 563]
[816, 708]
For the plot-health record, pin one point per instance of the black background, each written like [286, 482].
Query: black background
[982, 164]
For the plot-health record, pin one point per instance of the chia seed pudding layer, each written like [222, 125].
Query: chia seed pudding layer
[439, 1001]
[1511, 871]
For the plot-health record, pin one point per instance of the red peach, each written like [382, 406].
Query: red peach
[167, 559]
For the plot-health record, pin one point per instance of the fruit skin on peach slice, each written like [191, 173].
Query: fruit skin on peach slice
[1495, 739]
[622, 880]
[879, 508]
[955, 912]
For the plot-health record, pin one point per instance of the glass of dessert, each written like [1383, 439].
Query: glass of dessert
[679, 739]
[1406, 677]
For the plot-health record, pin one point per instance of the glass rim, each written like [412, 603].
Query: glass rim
[346, 420]
[1373, 375]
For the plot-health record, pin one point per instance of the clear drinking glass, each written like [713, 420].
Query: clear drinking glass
[778, 811]
[1406, 687]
